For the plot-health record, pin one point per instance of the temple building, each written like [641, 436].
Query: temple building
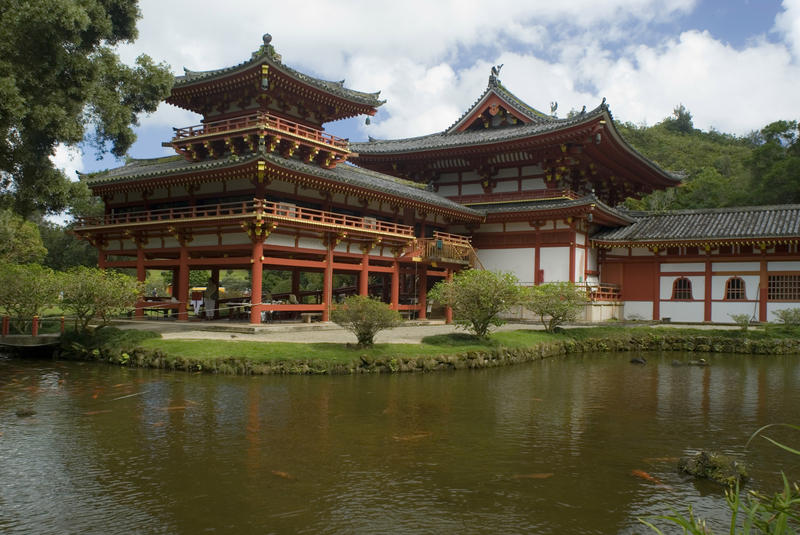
[260, 185]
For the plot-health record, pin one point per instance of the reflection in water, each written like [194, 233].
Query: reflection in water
[581, 445]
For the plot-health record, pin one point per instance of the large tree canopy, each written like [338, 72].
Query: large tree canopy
[59, 78]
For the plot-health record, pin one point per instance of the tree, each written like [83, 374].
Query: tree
[365, 317]
[20, 241]
[96, 293]
[477, 298]
[775, 164]
[555, 303]
[26, 290]
[60, 77]
[681, 120]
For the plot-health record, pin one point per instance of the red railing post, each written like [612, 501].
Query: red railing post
[62, 324]
[6, 321]
[35, 326]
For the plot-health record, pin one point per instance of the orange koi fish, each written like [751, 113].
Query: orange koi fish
[414, 436]
[284, 475]
[92, 413]
[647, 477]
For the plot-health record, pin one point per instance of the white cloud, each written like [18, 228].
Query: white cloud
[431, 59]
[68, 160]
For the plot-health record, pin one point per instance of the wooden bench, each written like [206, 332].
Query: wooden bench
[308, 316]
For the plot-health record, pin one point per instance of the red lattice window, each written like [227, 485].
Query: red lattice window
[682, 288]
[783, 288]
[734, 289]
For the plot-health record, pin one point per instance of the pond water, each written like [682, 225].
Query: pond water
[545, 447]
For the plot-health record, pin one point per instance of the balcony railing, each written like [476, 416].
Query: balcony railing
[515, 196]
[259, 120]
[285, 210]
[603, 292]
[267, 209]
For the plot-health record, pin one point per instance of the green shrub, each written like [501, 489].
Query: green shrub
[555, 303]
[477, 298]
[788, 316]
[365, 317]
[742, 320]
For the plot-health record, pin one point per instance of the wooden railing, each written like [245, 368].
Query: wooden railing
[267, 209]
[445, 247]
[292, 211]
[603, 292]
[168, 214]
[260, 120]
[541, 194]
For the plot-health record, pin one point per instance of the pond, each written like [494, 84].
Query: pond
[545, 447]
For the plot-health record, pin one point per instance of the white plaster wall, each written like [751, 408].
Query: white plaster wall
[698, 287]
[127, 245]
[561, 224]
[783, 266]
[448, 191]
[134, 196]
[205, 240]
[591, 264]
[280, 239]
[448, 177]
[235, 238]
[580, 238]
[514, 226]
[750, 286]
[772, 306]
[310, 243]
[735, 266]
[720, 312]
[341, 248]
[580, 276]
[239, 184]
[179, 191]
[617, 251]
[471, 189]
[170, 242]
[338, 198]
[507, 172]
[532, 184]
[210, 187]
[531, 169]
[520, 262]
[641, 251]
[504, 186]
[555, 263]
[698, 267]
[638, 310]
[682, 311]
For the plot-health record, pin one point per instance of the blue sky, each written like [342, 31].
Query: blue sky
[734, 64]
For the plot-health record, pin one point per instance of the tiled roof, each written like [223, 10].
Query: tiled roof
[712, 224]
[266, 54]
[446, 139]
[551, 204]
[343, 173]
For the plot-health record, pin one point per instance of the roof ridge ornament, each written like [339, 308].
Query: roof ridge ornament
[493, 77]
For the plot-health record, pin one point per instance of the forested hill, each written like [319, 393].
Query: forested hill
[719, 169]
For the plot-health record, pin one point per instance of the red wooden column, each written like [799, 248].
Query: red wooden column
[763, 286]
[327, 283]
[101, 259]
[448, 311]
[182, 284]
[256, 272]
[141, 275]
[395, 297]
[295, 282]
[656, 290]
[707, 298]
[363, 275]
[572, 240]
[537, 256]
[422, 297]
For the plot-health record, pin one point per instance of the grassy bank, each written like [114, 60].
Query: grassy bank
[454, 351]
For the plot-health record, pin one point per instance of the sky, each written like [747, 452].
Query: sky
[734, 64]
